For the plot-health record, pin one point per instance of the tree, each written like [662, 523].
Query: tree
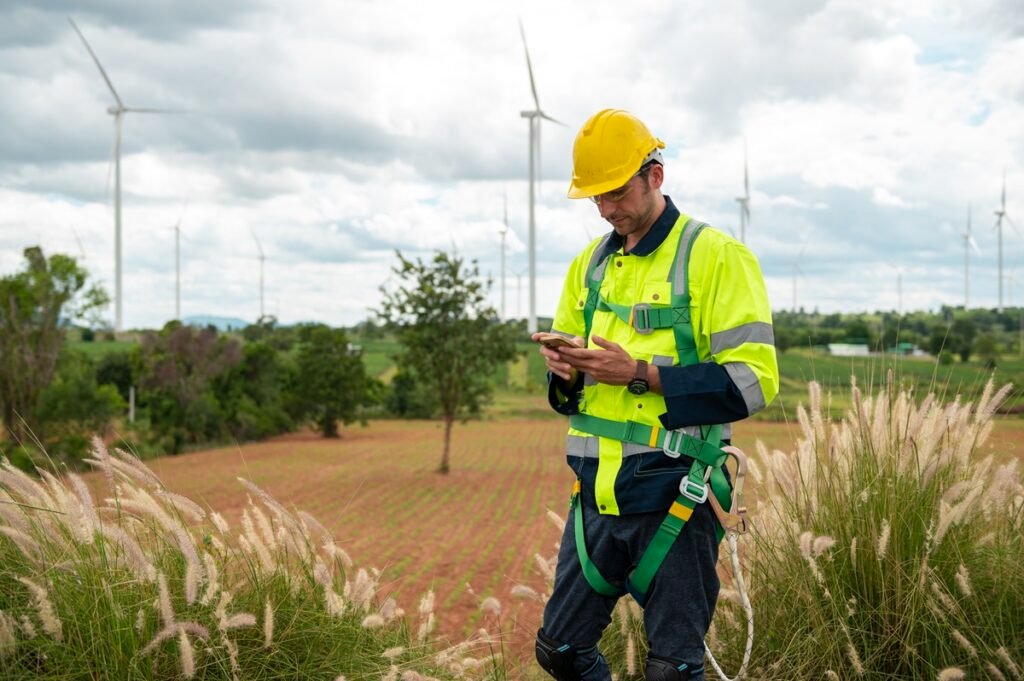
[452, 341]
[36, 305]
[177, 367]
[331, 382]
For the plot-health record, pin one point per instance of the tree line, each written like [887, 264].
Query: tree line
[191, 386]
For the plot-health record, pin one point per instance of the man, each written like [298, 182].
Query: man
[670, 335]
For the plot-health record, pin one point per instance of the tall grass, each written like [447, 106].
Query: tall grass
[146, 584]
[888, 545]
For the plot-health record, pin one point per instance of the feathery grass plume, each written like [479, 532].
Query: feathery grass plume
[994, 672]
[166, 610]
[544, 566]
[183, 505]
[523, 591]
[44, 609]
[821, 545]
[853, 552]
[336, 552]
[389, 609]
[27, 627]
[1008, 662]
[255, 543]
[806, 542]
[265, 527]
[239, 620]
[362, 590]
[426, 627]
[28, 546]
[951, 674]
[556, 520]
[854, 657]
[964, 643]
[340, 677]
[963, 580]
[88, 508]
[8, 634]
[140, 620]
[373, 621]
[491, 605]
[831, 675]
[334, 603]
[212, 579]
[631, 655]
[219, 522]
[268, 624]
[392, 653]
[136, 558]
[883, 540]
[188, 663]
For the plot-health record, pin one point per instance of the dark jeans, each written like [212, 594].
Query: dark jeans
[680, 602]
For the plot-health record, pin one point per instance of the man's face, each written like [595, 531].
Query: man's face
[631, 207]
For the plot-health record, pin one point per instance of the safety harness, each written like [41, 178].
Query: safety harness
[706, 471]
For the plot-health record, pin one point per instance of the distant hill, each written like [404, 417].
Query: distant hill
[220, 323]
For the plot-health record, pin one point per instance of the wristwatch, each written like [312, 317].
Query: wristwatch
[639, 384]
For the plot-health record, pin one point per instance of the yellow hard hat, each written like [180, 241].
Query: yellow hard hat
[609, 149]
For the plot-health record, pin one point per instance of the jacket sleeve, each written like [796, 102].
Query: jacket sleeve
[739, 373]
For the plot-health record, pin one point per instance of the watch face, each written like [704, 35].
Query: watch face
[637, 386]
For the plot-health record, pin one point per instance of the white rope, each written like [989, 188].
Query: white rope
[734, 556]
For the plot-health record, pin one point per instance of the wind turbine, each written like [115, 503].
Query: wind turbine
[969, 243]
[796, 272]
[177, 263]
[504, 233]
[117, 111]
[1000, 216]
[744, 200]
[535, 115]
[263, 259]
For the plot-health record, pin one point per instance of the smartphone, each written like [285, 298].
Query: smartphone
[555, 341]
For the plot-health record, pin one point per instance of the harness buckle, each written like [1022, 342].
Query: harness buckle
[696, 492]
[642, 319]
[673, 444]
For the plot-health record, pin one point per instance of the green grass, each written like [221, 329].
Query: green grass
[99, 349]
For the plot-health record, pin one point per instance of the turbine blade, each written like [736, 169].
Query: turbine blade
[553, 120]
[98, 64]
[974, 244]
[529, 66]
[259, 246]
[746, 177]
[183, 208]
[156, 111]
[1012, 224]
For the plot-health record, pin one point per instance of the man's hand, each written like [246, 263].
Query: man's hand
[610, 365]
[555, 362]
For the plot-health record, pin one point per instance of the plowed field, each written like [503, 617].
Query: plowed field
[376, 489]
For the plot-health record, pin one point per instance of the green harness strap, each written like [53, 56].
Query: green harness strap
[707, 469]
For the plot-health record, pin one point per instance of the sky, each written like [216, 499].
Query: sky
[339, 131]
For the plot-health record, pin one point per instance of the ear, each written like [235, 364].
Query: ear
[656, 175]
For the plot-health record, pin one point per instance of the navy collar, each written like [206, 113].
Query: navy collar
[650, 241]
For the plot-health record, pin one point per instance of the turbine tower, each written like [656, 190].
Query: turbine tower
[177, 263]
[744, 200]
[796, 273]
[504, 233]
[117, 111]
[534, 116]
[1000, 216]
[263, 259]
[969, 243]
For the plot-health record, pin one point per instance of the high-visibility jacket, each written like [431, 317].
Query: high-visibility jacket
[737, 374]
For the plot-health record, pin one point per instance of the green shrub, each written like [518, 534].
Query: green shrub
[149, 585]
[888, 546]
